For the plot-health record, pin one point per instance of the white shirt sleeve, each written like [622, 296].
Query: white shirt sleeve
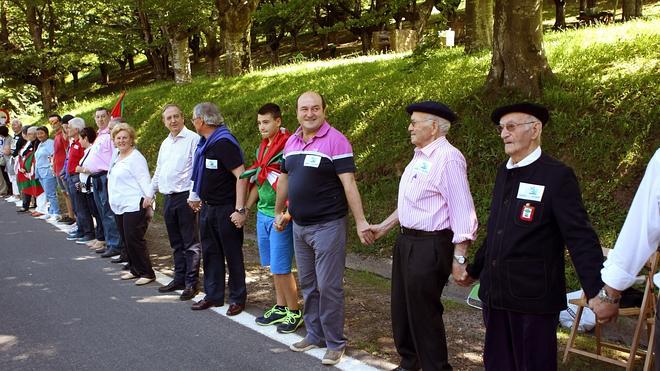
[640, 233]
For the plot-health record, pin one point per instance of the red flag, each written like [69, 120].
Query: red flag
[118, 109]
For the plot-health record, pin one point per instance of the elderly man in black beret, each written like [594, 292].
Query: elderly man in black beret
[437, 224]
[536, 210]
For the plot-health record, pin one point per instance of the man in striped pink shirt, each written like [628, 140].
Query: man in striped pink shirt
[437, 224]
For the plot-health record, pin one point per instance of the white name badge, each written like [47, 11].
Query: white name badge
[211, 164]
[532, 192]
[422, 166]
[312, 160]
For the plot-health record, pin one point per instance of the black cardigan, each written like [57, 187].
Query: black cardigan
[521, 262]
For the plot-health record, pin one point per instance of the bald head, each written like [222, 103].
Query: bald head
[310, 112]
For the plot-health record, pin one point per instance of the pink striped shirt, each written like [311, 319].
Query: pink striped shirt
[434, 193]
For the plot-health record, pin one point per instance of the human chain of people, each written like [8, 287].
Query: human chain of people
[301, 187]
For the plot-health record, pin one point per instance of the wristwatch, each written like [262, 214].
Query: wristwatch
[241, 210]
[604, 296]
[460, 259]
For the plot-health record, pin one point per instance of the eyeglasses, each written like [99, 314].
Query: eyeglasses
[511, 126]
[413, 122]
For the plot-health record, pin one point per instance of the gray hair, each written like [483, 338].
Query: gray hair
[76, 123]
[443, 124]
[32, 129]
[209, 113]
[16, 121]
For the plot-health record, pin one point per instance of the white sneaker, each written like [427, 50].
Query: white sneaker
[12, 199]
[143, 281]
[128, 276]
[19, 203]
[44, 217]
[53, 218]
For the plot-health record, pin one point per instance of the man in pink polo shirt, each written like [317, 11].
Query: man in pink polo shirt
[437, 224]
[318, 179]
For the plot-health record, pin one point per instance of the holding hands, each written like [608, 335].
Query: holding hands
[238, 218]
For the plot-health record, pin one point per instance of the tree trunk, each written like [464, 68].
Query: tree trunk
[153, 56]
[104, 78]
[212, 49]
[235, 23]
[131, 61]
[74, 74]
[180, 57]
[631, 9]
[47, 96]
[424, 13]
[560, 15]
[365, 37]
[194, 44]
[583, 6]
[478, 25]
[47, 90]
[639, 4]
[518, 64]
[4, 29]
[122, 64]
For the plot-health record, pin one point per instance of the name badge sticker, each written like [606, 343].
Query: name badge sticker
[532, 192]
[211, 164]
[422, 166]
[312, 161]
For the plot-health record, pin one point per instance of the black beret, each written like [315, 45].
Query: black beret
[434, 108]
[536, 110]
[66, 119]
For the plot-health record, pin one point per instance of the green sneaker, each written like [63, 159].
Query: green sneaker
[272, 316]
[291, 322]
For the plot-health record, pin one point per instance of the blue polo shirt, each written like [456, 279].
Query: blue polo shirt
[316, 194]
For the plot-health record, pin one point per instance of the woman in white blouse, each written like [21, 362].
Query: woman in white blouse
[130, 194]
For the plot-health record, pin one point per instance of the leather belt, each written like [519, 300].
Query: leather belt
[417, 233]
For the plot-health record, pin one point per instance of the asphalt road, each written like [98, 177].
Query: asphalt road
[64, 308]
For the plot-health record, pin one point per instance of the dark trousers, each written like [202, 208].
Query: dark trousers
[420, 269]
[222, 240]
[98, 229]
[520, 341]
[132, 227]
[27, 199]
[183, 232]
[81, 208]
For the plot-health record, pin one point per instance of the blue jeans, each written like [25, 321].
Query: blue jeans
[106, 215]
[50, 188]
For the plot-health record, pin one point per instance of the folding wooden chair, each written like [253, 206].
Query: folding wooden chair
[645, 315]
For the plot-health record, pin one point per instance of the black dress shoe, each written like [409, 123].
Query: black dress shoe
[235, 308]
[22, 210]
[204, 304]
[399, 368]
[100, 251]
[172, 286]
[188, 293]
[110, 253]
[118, 260]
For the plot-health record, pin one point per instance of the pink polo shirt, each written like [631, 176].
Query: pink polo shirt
[434, 193]
[100, 154]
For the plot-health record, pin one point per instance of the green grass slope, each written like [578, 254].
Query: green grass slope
[604, 114]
